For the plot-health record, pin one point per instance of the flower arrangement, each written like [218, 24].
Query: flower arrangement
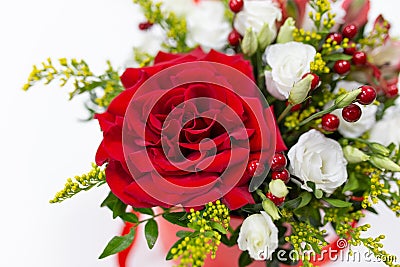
[279, 114]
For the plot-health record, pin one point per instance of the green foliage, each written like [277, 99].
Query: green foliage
[207, 225]
[151, 232]
[101, 89]
[244, 259]
[85, 182]
[118, 244]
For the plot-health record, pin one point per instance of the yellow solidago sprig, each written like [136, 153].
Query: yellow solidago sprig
[304, 238]
[308, 37]
[344, 221]
[83, 79]
[208, 225]
[318, 66]
[95, 177]
[174, 26]
[322, 7]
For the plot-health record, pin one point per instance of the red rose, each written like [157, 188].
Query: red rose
[180, 140]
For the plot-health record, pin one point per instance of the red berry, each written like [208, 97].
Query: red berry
[315, 81]
[236, 5]
[367, 95]
[145, 25]
[330, 122]
[281, 175]
[350, 31]
[351, 49]
[295, 107]
[351, 113]
[279, 162]
[359, 58]
[392, 91]
[335, 37]
[341, 66]
[277, 200]
[234, 38]
[254, 168]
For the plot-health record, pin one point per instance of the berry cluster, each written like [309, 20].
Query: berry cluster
[359, 58]
[352, 112]
[279, 172]
[234, 37]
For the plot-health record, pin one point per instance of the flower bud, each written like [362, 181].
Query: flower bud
[354, 155]
[278, 188]
[384, 163]
[271, 209]
[300, 90]
[286, 32]
[379, 149]
[249, 43]
[265, 37]
[346, 99]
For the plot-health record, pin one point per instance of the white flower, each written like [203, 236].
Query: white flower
[387, 130]
[367, 119]
[289, 62]
[255, 14]
[336, 8]
[318, 159]
[207, 25]
[179, 7]
[259, 236]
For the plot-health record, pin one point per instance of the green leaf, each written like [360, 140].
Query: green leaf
[118, 244]
[352, 183]
[305, 199]
[169, 254]
[147, 211]
[178, 218]
[118, 209]
[114, 204]
[338, 203]
[109, 201]
[292, 204]
[218, 227]
[182, 234]
[151, 233]
[336, 57]
[129, 217]
[244, 259]
[252, 208]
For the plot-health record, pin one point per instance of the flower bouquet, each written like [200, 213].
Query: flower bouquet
[269, 125]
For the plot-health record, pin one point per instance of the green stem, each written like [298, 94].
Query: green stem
[261, 194]
[316, 115]
[284, 113]
[158, 215]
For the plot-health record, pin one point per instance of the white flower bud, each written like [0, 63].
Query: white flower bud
[354, 155]
[278, 188]
[250, 43]
[286, 32]
[300, 90]
[271, 209]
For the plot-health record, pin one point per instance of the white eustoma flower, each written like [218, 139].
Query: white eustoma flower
[318, 159]
[289, 62]
[259, 236]
[179, 7]
[387, 130]
[207, 25]
[367, 119]
[336, 8]
[255, 14]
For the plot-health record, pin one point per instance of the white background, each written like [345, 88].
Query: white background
[42, 141]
